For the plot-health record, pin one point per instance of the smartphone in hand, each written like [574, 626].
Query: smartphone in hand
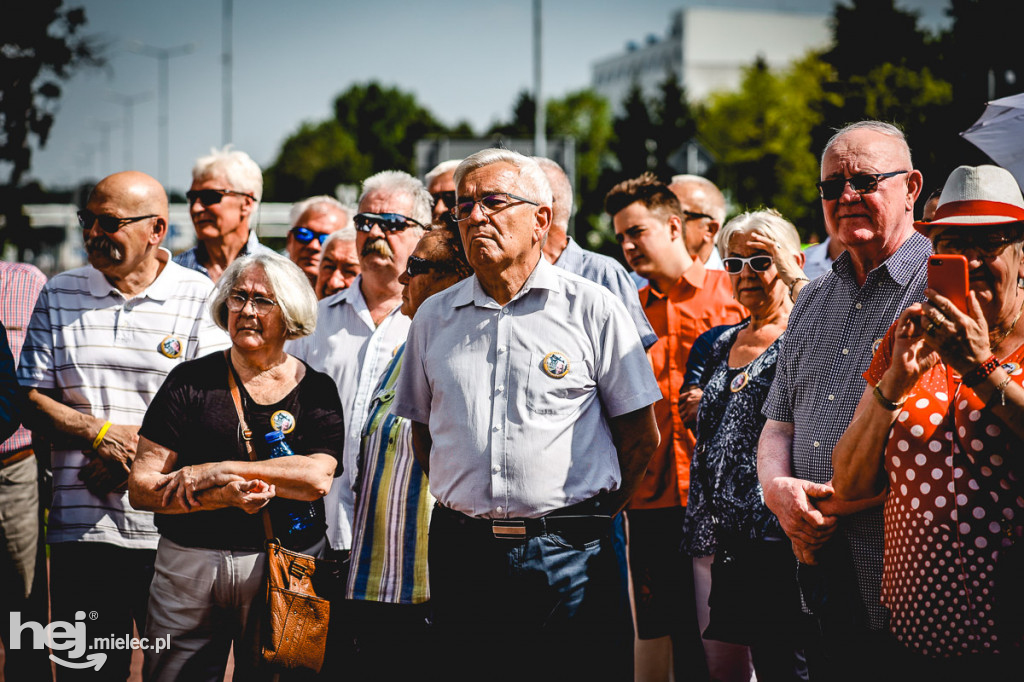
[947, 274]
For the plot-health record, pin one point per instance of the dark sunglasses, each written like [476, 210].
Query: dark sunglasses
[691, 215]
[388, 222]
[985, 243]
[108, 223]
[447, 198]
[209, 197]
[421, 266]
[304, 235]
[863, 183]
[734, 264]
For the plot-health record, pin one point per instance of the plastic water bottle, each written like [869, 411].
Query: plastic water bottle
[300, 517]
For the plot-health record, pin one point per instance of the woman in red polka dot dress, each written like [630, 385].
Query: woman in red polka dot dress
[941, 424]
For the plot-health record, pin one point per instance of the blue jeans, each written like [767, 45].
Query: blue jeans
[544, 607]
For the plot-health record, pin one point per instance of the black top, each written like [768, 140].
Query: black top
[193, 415]
[725, 496]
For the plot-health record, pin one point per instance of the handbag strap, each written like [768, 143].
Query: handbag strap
[236, 396]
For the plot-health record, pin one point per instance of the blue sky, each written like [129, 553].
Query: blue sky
[463, 59]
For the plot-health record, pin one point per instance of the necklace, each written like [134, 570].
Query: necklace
[1009, 330]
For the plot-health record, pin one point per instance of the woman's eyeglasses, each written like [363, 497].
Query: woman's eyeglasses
[863, 183]
[421, 266]
[261, 305]
[209, 197]
[108, 223]
[734, 264]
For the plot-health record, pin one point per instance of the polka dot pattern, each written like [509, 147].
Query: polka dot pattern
[953, 505]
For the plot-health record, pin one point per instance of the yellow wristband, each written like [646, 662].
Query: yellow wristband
[99, 436]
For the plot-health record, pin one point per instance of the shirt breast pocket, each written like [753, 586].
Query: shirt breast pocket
[557, 384]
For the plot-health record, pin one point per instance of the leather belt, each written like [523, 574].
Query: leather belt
[16, 456]
[594, 525]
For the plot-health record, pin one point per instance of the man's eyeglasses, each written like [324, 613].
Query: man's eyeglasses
[448, 198]
[209, 197]
[691, 215]
[108, 223]
[304, 235]
[488, 204]
[388, 222]
[261, 305]
[734, 264]
[862, 183]
[986, 243]
[421, 266]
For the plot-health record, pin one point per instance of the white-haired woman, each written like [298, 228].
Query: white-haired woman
[194, 471]
[726, 518]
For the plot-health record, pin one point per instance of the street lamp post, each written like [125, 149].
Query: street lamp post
[163, 56]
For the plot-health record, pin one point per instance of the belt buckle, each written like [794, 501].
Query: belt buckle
[508, 530]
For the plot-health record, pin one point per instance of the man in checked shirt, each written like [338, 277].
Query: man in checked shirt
[868, 188]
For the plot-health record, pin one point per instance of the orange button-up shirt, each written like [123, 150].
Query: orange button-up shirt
[701, 299]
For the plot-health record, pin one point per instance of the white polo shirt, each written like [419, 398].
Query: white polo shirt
[516, 396]
[352, 350]
[106, 355]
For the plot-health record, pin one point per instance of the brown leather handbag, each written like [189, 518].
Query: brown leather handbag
[294, 626]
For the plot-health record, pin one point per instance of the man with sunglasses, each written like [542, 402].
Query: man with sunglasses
[440, 183]
[225, 194]
[530, 397]
[683, 300]
[100, 342]
[703, 215]
[313, 220]
[868, 188]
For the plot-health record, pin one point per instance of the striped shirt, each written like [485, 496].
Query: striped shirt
[393, 505]
[190, 259]
[20, 284]
[106, 356]
[608, 273]
[832, 333]
[348, 347]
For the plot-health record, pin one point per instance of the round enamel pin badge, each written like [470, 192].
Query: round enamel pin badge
[1012, 368]
[170, 347]
[283, 421]
[555, 364]
[875, 345]
[739, 381]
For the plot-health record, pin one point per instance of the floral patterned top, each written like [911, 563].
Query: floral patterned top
[725, 496]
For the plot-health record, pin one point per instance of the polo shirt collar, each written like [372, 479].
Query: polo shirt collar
[353, 295]
[160, 289]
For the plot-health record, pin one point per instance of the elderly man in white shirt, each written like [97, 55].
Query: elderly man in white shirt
[531, 399]
[360, 327]
[101, 340]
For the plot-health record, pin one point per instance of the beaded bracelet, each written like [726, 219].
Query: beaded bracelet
[979, 373]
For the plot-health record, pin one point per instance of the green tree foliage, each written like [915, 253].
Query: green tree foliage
[386, 123]
[761, 135]
[315, 160]
[632, 147]
[674, 124]
[522, 122]
[39, 49]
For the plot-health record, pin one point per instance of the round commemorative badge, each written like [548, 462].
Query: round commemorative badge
[170, 347]
[283, 421]
[555, 364]
[1012, 368]
[739, 381]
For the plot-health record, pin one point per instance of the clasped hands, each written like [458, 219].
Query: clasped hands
[183, 487]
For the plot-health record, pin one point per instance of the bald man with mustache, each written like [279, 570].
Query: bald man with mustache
[100, 342]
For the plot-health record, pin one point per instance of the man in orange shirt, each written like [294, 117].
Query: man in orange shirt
[683, 300]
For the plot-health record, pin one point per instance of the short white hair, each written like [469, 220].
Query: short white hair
[323, 203]
[239, 171]
[440, 169]
[767, 222]
[400, 182]
[345, 234]
[532, 181]
[561, 190]
[880, 127]
[290, 286]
